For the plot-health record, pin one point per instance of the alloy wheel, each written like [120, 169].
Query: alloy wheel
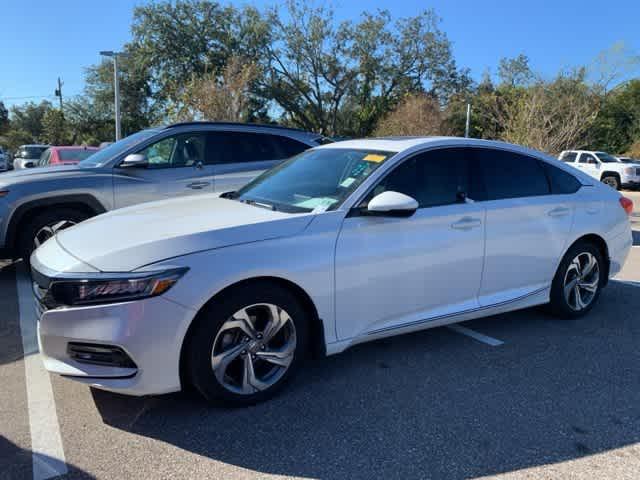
[581, 281]
[611, 181]
[48, 231]
[254, 348]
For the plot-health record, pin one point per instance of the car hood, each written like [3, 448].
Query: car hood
[40, 173]
[129, 238]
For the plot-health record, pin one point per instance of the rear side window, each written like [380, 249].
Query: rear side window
[242, 147]
[510, 175]
[569, 157]
[561, 182]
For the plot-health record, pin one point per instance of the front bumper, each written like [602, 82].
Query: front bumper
[150, 331]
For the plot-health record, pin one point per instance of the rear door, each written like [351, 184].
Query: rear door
[179, 165]
[239, 157]
[527, 225]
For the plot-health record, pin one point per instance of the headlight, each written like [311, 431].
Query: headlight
[118, 288]
[629, 170]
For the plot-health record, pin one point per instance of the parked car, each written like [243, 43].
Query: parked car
[4, 161]
[53, 156]
[28, 156]
[604, 167]
[166, 162]
[342, 244]
[628, 160]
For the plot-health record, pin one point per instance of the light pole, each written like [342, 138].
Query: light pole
[116, 86]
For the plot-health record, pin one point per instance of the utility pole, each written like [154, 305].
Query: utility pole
[466, 127]
[58, 92]
[116, 86]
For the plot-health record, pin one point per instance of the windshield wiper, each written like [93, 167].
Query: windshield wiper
[268, 206]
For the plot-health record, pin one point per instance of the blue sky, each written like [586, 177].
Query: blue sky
[43, 39]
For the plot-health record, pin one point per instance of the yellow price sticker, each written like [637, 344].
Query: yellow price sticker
[372, 157]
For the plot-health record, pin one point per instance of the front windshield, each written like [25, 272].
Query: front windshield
[102, 156]
[606, 158]
[313, 181]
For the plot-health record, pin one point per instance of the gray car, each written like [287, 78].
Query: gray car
[157, 163]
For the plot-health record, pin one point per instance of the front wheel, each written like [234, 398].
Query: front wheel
[612, 181]
[46, 225]
[246, 346]
[578, 281]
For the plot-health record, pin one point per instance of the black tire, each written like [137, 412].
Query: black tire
[26, 244]
[559, 306]
[200, 342]
[612, 180]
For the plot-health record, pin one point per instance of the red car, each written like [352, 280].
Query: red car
[65, 155]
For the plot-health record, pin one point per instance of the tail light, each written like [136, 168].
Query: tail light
[627, 205]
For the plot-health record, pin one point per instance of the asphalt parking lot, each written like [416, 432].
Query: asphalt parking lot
[533, 397]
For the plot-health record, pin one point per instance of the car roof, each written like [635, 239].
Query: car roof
[241, 124]
[73, 147]
[400, 144]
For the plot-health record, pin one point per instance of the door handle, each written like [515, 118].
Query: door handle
[466, 223]
[198, 185]
[559, 212]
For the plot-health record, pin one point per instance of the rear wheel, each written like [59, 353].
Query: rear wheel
[246, 346]
[46, 225]
[612, 180]
[578, 281]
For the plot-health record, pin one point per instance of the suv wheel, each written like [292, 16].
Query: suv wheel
[578, 281]
[612, 180]
[44, 226]
[244, 348]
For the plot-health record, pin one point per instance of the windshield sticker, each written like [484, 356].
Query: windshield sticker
[315, 203]
[347, 182]
[372, 157]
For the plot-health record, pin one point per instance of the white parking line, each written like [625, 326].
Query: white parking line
[46, 443]
[494, 342]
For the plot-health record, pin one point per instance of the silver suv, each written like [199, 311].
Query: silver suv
[158, 163]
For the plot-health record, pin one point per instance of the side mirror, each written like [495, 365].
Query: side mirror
[135, 160]
[393, 204]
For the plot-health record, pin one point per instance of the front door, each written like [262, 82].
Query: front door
[396, 272]
[178, 165]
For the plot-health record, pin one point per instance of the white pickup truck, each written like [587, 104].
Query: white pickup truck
[604, 167]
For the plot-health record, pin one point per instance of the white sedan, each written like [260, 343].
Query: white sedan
[342, 244]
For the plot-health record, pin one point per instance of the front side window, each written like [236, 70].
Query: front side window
[434, 178]
[315, 180]
[510, 175]
[184, 150]
[587, 158]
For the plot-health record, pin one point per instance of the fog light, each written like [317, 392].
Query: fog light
[106, 355]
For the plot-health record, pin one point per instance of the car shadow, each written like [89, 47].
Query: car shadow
[10, 336]
[431, 404]
[17, 462]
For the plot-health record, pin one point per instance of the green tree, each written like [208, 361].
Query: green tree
[617, 125]
[4, 118]
[28, 118]
[515, 71]
[54, 128]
